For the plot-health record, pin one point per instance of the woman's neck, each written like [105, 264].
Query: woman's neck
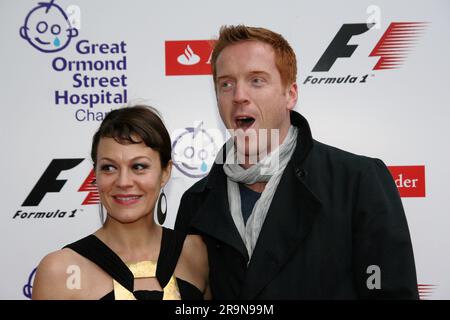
[133, 242]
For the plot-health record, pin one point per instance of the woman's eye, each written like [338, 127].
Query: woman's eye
[107, 168]
[140, 166]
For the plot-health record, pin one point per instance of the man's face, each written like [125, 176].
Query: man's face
[250, 93]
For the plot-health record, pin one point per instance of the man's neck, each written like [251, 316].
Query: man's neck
[257, 187]
[249, 160]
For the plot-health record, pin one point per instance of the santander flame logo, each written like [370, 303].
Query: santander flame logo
[188, 58]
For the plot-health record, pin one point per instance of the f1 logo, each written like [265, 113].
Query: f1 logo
[392, 48]
[49, 182]
[339, 47]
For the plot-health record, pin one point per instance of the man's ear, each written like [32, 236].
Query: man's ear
[166, 173]
[292, 95]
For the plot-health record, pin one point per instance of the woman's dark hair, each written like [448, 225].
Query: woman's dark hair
[135, 124]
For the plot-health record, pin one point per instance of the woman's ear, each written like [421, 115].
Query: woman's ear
[166, 173]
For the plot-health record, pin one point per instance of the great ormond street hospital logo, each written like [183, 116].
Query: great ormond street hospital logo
[47, 28]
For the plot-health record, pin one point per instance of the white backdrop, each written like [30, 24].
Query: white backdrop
[400, 115]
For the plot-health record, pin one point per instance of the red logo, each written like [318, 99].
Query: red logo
[90, 186]
[410, 180]
[425, 291]
[395, 44]
[188, 57]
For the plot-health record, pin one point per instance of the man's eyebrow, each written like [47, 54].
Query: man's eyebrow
[223, 77]
[257, 72]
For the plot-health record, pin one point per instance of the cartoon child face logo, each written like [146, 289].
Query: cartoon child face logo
[28, 287]
[193, 152]
[47, 28]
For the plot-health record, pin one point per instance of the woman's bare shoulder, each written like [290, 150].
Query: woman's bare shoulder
[52, 279]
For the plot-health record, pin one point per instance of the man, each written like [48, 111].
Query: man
[308, 221]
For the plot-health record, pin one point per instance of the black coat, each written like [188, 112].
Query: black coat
[334, 215]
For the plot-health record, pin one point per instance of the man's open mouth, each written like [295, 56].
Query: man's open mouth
[244, 122]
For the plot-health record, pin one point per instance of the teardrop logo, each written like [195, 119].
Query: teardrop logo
[47, 28]
[194, 150]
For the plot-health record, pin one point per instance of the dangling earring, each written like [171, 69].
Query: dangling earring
[162, 215]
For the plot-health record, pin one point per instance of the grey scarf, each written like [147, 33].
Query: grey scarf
[270, 170]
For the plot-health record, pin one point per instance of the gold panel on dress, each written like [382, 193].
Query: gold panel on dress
[146, 269]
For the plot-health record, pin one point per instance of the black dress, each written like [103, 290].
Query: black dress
[95, 250]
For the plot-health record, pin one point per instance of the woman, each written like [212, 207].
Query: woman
[130, 256]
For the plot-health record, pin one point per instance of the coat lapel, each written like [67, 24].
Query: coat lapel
[214, 217]
[290, 218]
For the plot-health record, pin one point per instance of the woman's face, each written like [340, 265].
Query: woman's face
[129, 179]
